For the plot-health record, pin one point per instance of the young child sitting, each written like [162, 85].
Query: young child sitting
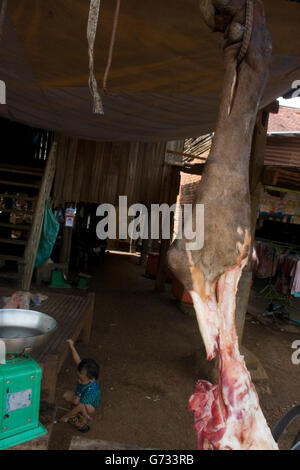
[86, 398]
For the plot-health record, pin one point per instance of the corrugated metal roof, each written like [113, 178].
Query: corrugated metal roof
[282, 150]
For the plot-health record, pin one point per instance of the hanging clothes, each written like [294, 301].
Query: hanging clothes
[285, 273]
[279, 263]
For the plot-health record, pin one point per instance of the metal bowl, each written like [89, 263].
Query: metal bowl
[25, 329]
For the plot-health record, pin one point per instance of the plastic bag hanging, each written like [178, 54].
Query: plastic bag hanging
[49, 234]
[91, 36]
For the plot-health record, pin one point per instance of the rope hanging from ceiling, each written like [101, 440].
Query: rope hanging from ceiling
[111, 46]
[244, 48]
[248, 30]
[91, 36]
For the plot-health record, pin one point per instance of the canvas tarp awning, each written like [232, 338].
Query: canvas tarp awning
[166, 72]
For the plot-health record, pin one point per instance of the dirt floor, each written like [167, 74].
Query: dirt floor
[148, 351]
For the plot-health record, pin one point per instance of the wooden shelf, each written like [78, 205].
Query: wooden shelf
[19, 183]
[13, 241]
[17, 211]
[20, 197]
[11, 258]
[15, 226]
[8, 275]
[34, 180]
[21, 172]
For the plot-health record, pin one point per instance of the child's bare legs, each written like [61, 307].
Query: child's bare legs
[71, 399]
[87, 411]
[73, 403]
[80, 410]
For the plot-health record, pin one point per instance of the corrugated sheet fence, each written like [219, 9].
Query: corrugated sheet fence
[283, 150]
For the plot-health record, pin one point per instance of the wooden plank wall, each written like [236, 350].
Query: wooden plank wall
[98, 172]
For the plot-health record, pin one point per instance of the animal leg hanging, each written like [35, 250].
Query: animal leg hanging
[227, 414]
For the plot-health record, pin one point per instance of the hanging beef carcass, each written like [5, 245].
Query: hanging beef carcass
[227, 415]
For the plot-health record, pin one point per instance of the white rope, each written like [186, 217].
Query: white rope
[248, 30]
[91, 36]
[112, 43]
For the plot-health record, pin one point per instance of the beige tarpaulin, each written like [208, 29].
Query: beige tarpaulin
[165, 76]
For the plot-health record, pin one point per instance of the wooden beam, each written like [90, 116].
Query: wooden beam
[86, 331]
[19, 197]
[282, 190]
[189, 155]
[275, 177]
[19, 183]
[172, 188]
[272, 108]
[24, 227]
[66, 243]
[49, 377]
[36, 228]
[256, 171]
[12, 241]
[196, 169]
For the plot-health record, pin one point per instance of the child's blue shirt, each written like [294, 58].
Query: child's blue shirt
[89, 394]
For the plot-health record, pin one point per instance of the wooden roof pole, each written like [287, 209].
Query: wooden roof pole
[35, 233]
[256, 172]
[91, 36]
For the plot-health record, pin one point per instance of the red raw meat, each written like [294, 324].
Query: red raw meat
[227, 415]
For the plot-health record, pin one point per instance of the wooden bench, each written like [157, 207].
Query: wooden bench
[74, 316]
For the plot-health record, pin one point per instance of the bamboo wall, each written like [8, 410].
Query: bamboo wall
[100, 172]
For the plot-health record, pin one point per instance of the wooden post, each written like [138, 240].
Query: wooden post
[146, 244]
[36, 229]
[162, 266]
[86, 332]
[172, 190]
[256, 171]
[49, 377]
[66, 243]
